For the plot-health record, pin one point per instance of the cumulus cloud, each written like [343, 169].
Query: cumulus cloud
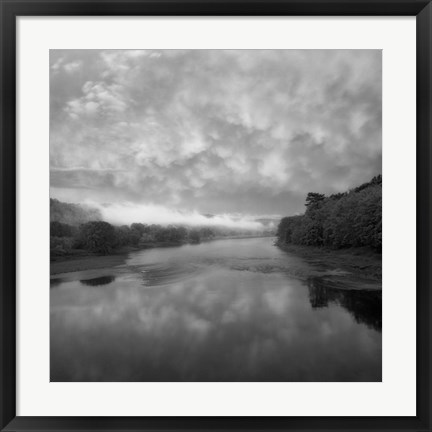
[98, 98]
[216, 131]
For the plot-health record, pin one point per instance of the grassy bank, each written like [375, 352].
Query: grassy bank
[359, 262]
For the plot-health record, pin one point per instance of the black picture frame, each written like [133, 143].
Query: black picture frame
[11, 9]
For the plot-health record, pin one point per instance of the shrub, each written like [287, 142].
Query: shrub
[60, 245]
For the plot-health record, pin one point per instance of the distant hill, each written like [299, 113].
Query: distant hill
[72, 214]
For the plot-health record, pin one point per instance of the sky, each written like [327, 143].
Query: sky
[238, 134]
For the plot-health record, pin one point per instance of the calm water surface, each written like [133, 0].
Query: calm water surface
[227, 310]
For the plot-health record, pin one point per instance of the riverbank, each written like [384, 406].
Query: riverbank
[67, 264]
[81, 260]
[357, 262]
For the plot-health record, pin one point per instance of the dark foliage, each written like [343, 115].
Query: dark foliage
[61, 245]
[58, 229]
[194, 236]
[126, 236]
[97, 236]
[104, 238]
[350, 219]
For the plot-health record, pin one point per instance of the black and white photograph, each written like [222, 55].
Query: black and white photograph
[215, 215]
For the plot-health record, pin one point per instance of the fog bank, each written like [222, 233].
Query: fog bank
[128, 213]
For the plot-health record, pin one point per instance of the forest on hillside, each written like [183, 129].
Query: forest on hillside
[72, 214]
[341, 220]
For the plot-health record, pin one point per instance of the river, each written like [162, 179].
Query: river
[225, 310]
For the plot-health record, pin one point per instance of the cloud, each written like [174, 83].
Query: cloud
[98, 98]
[72, 66]
[219, 131]
[69, 68]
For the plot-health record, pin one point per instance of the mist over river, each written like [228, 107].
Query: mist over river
[225, 310]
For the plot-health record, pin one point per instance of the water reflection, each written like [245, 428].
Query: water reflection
[102, 280]
[364, 305]
[195, 314]
[55, 282]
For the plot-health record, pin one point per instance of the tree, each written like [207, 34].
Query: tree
[58, 229]
[313, 199]
[97, 236]
[206, 233]
[194, 236]
[126, 236]
[141, 228]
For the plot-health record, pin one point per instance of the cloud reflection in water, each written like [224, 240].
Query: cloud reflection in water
[213, 324]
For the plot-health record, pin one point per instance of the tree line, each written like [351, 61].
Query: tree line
[103, 238]
[342, 220]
